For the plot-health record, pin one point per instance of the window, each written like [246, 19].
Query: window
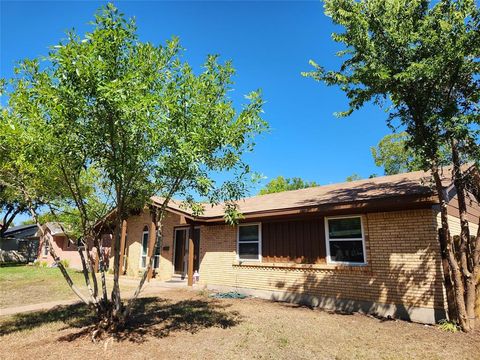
[156, 254]
[143, 254]
[249, 242]
[45, 249]
[345, 240]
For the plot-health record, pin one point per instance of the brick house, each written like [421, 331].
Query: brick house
[65, 248]
[369, 245]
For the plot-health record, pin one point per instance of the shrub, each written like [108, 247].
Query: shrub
[65, 263]
[449, 326]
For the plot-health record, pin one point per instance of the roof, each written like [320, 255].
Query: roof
[21, 232]
[412, 186]
[55, 228]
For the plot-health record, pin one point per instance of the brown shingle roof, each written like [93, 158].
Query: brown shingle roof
[414, 185]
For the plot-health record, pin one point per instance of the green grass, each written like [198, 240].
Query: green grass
[24, 285]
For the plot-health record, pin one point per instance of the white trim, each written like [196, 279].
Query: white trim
[141, 247]
[259, 242]
[327, 240]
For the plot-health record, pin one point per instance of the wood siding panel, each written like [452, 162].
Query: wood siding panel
[297, 241]
[473, 209]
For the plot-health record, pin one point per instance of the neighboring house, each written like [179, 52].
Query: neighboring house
[65, 248]
[23, 239]
[369, 245]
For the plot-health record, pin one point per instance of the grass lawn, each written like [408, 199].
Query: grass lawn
[185, 324]
[24, 285]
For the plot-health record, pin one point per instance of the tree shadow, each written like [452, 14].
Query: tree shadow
[158, 318]
[151, 317]
[74, 316]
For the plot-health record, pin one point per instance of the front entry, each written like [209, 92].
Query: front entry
[180, 257]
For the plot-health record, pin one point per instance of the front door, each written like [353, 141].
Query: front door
[181, 250]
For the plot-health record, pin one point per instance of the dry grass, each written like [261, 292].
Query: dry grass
[189, 325]
[25, 285]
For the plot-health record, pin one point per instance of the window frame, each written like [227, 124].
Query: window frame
[141, 247]
[327, 241]
[46, 249]
[259, 242]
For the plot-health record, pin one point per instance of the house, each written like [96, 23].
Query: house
[64, 247]
[23, 239]
[370, 245]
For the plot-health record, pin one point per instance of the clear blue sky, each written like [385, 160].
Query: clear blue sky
[270, 44]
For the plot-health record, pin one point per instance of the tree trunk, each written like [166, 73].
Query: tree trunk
[466, 244]
[446, 245]
[56, 258]
[116, 299]
[156, 221]
[86, 275]
[99, 247]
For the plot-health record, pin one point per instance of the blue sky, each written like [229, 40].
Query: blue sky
[270, 44]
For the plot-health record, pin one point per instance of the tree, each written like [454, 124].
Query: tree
[117, 120]
[11, 205]
[280, 184]
[394, 156]
[353, 177]
[421, 60]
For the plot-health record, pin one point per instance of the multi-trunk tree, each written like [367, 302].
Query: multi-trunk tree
[121, 120]
[420, 60]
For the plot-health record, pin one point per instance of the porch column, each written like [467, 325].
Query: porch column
[122, 245]
[151, 241]
[191, 252]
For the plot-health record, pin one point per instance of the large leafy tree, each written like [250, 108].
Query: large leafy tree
[393, 154]
[420, 60]
[131, 119]
[11, 205]
[280, 184]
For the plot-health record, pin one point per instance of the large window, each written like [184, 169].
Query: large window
[249, 242]
[345, 240]
[143, 258]
[156, 253]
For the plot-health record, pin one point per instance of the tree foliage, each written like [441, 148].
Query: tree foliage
[420, 61]
[393, 154]
[280, 184]
[117, 120]
[353, 177]
[11, 205]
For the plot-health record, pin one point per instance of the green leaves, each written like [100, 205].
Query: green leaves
[280, 184]
[114, 119]
[422, 57]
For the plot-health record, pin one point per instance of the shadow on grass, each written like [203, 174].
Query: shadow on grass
[75, 316]
[151, 317]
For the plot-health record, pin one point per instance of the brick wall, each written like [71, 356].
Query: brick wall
[62, 248]
[403, 265]
[135, 226]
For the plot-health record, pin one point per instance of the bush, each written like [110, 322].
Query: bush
[448, 326]
[11, 257]
[65, 263]
[40, 264]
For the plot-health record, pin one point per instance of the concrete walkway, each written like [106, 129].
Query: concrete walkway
[154, 287]
[35, 307]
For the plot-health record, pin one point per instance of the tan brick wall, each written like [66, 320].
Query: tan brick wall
[403, 264]
[135, 226]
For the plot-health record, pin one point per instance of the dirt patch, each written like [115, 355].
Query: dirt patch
[189, 325]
